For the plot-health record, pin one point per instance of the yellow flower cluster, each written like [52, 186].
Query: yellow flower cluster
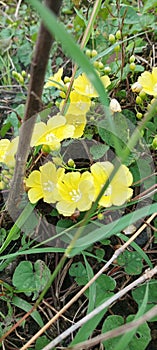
[80, 97]
[75, 191]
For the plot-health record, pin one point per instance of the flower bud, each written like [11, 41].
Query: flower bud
[118, 35]
[100, 216]
[94, 53]
[139, 115]
[111, 38]
[88, 53]
[132, 59]
[132, 66]
[142, 94]
[117, 48]
[107, 70]
[115, 106]
[139, 100]
[23, 73]
[46, 149]
[136, 87]
[71, 163]
[154, 143]
[101, 66]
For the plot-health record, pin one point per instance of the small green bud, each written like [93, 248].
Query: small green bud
[139, 100]
[21, 79]
[132, 66]
[117, 48]
[46, 149]
[153, 100]
[142, 94]
[24, 74]
[100, 216]
[107, 70]
[71, 163]
[4, 172]
[88, 53]
[101, 66]
[92, 119]
[96, 64]
[139, 115]
[132, 59]
[2, 185]
[118, 35]
[154, 143]
[94, 53]
[148, 106]
[14, 74]
[111, 38]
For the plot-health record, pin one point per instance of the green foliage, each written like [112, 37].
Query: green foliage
[140, 340]
[131, 261]
[139, 292]
[29, 281]
[132, 30]
[100, 291]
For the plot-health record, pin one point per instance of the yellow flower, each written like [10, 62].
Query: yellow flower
[56, 80]
[8, 150]
[35, 189]
[43, 183]
[78, 121]
[118, 191]
[77, 192]
[83, 86]
[148, 82]
[53, 133]
[78, 105]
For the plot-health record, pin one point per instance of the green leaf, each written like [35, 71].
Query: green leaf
[24, 305]
[139, 292]
[131, 261]
[98, 151]
[118, 139]
[139, 341]
[104, 290]
[127, 337]
[41, 342]
[103, 232]
[149, 5]
[129, 14]
[138, 249]
[28, 281]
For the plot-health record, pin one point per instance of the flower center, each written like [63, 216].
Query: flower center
[108, 191]
[75, 195]
[89, 89]
[81, 105]
[50, 137]
[48, 186]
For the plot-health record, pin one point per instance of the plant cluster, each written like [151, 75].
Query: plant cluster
[90, 174]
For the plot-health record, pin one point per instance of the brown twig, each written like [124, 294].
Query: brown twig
[33, 106]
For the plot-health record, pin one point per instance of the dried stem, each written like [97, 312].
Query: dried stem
[147, 275]
[33, 106]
